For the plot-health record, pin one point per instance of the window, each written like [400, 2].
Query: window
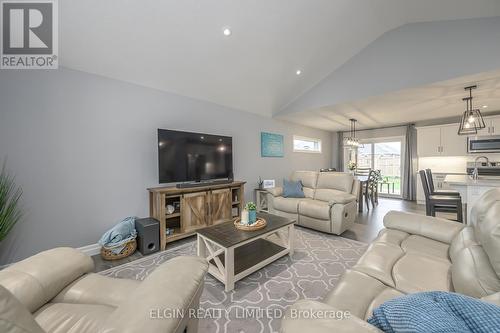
[384, 155]
[306, 145]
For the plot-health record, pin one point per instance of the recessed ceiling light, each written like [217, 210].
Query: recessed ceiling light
[485, 106]
[227, 32]
[298, 72]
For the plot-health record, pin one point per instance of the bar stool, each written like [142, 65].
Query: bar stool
[438, 192]
[439, 202]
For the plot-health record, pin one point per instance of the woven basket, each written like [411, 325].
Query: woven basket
[130, 247]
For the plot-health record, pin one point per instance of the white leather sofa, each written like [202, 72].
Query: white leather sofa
[414, 253]
[330, 203]
[55, 291]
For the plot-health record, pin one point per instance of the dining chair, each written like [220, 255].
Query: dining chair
[362, 171]
[371, 188]
[439, 202]
[430, 181]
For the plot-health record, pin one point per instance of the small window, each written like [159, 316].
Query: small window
[306, 145]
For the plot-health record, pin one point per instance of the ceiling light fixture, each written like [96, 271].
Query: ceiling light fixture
[472, 120]
[351, 141]
[298, 72]
[227, 32]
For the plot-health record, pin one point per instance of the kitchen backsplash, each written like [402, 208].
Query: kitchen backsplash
[451, 164]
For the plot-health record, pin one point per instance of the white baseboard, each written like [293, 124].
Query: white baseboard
[91, 250]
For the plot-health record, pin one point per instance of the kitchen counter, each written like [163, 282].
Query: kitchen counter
[471, 189]
[466, 180]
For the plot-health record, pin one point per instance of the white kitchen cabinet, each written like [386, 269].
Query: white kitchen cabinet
[453, 144]
[441, 141]
[429, 141]
[493, 126]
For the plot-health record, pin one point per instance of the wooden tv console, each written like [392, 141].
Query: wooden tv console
[196, 208]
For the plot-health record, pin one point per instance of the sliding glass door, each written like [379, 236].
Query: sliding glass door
[385, 155]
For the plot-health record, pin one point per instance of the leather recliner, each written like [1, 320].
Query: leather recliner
[414, 253]
[330, 203]
[56, 291]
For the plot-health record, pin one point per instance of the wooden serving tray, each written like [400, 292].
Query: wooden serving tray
[259, 224]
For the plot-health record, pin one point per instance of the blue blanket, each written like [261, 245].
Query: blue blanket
[120, 234]
[436, 311]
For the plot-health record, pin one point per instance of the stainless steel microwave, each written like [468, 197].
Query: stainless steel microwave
[483, 144]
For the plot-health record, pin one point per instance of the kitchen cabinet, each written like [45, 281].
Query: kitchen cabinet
[429, 141]
[441, 141]
[453, 144]
[492, 126]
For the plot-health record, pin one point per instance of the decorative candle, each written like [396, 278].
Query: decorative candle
[244, 216]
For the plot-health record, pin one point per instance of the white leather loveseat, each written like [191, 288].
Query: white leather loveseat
[55, 291]
[414, 253]
[330, 203]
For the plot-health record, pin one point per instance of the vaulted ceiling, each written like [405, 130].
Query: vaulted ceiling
[424, 103]
[178, 45]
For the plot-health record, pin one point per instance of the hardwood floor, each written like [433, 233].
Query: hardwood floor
[369, 223]
[366, 228]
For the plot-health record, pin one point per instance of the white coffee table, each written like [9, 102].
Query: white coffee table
[234, 254]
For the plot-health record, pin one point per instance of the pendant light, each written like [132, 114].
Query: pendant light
[351, 141]
[472, 120]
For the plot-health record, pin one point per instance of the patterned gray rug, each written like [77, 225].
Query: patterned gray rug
[260, 300]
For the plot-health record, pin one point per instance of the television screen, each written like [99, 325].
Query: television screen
[184, 156]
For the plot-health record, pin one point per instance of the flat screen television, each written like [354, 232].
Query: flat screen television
[186, 157]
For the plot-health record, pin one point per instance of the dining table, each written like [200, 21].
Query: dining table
[362, 181]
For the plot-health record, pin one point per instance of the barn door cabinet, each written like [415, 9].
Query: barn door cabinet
[194, 208]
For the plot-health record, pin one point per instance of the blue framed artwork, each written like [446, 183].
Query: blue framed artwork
[271, 145]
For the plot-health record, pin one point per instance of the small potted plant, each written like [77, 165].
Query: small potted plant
[252, 212]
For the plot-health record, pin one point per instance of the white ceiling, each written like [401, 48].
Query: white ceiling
[434, 101]
[178, 45]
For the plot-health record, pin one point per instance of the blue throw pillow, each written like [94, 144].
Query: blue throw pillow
[436, 311]
[292, 189]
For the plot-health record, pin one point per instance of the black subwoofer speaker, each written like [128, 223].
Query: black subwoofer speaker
[148, 235]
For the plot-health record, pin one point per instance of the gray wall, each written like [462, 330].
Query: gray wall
[412, 55]
[83, 148]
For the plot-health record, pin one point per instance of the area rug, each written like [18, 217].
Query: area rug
[258, 302]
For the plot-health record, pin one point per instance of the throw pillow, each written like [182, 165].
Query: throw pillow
[436, 311]
[292, 189]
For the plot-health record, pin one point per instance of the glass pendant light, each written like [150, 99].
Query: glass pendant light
[472, 119]
[351, 141]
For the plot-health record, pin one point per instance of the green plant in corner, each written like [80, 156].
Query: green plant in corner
[250, 206]
[10, 196]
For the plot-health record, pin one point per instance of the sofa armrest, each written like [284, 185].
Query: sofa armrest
[162, 302]
[343, 199]
[356, 188]
[37, 279]
[493, 298]
[312, 316]
[275, 191]
[435, 228]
